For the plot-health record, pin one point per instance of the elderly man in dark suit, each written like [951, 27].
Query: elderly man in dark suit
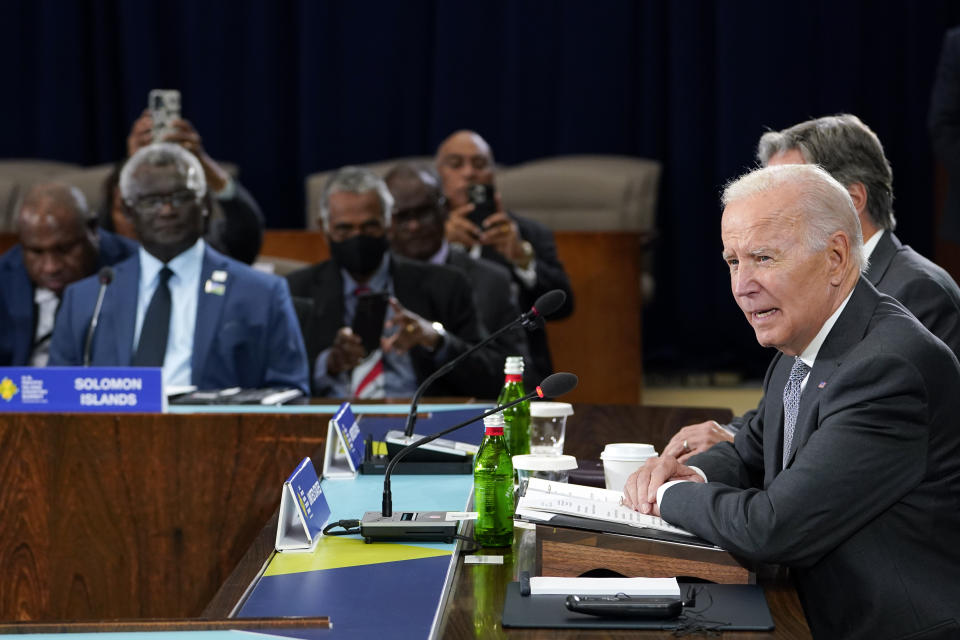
[60, 243]
[850, 152]
[207, 320]
[416, 232]
[849, 470]
[430, 319]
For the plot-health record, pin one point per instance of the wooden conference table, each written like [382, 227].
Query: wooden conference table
[474, 603]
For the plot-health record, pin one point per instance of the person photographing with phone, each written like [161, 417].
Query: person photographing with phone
[176, 303]
[236, 222]
[478, 222]
[382, 324]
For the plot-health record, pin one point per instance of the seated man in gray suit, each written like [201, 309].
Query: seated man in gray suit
[848, 472]
[850, 152]
[417, 232]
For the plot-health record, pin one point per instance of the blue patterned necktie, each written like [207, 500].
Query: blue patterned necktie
[791, 403]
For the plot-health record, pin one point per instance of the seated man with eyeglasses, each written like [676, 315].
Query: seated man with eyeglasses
[206, 319]
[430, 318]
[417, 232]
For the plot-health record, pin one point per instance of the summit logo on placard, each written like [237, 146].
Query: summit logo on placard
[8, 389]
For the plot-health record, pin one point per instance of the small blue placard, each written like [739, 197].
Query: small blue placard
[303, 510]
[349, 430]
[82, 389]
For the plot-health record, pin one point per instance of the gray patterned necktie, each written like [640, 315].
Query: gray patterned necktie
[791, 403]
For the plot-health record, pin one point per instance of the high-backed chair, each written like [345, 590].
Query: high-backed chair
[583, 192]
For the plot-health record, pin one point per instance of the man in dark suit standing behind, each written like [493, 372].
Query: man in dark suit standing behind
[206, 319]
[849, 470]
[430, 319]
[59, 244]
[524, 246]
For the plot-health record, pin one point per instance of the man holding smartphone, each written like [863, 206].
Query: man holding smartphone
[236, 223]
[429, 321]
[526, 247]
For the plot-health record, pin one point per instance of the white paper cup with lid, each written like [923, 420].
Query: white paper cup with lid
[620, 459]
[548, 426]
[533, 465]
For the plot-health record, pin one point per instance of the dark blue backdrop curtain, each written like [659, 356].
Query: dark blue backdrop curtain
[286, 88]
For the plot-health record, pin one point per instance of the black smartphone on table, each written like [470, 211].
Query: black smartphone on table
[368, 318]
[481, 196]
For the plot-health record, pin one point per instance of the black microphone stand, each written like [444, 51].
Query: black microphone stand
[106, 277]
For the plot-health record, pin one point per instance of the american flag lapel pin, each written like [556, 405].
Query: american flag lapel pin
[822, 384]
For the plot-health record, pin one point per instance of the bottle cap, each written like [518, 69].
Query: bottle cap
[493, 424]
[513, 365]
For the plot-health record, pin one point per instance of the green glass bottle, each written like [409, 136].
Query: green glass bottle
[493, 487]
[517, 418]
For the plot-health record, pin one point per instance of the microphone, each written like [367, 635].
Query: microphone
[545, 305]
[106, 277]
[432, 525]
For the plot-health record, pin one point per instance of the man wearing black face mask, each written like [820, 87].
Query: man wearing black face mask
[430, 319]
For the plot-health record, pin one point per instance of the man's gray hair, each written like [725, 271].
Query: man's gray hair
[822, 203]
[848, 150]
[355, 180]
[163, 154]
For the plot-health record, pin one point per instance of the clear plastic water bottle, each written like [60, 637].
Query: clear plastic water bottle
[517, 418]
[493, 487]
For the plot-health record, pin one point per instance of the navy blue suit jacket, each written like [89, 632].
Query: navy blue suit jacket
[248, 337]
[17, 312]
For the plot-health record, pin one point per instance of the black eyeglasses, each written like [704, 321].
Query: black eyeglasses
[422, 214]
[153, 204]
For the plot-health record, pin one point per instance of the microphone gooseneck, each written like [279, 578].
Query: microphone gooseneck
[106, 277]
[552, 386]
[544, 305]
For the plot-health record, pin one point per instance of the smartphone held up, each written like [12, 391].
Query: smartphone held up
[164, 106]
[481, 196]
